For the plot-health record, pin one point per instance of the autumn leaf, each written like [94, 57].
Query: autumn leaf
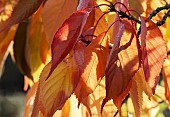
[19, 49]
[138, 5]
[83, 4]
[95, 59]
[58, 11]
[77, 63]
[61, 83]
[139, 85]
[67, 36]
[156, 54]
[95, 19]
[166, 76]
[167, 34]
[22, 10]
[5, 39]
[122, 65]
[54, 92]
[32, 46]
[30, 99]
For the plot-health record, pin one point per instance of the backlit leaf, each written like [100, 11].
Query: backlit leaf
[54, 13]
[166, 76]
[95, 59]
[67, 36]
[54, 92]
[22, 10]
[77, 63]
[136, 92]
[83, 4]
[167, 34]
[156, 54]
[122, 66]
[93, 102]
[94, 18]
[138, 5]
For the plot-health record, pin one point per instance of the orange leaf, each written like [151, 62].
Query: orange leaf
[122, 65]
[136, 92]
[22, 10]
[95, 59]
[58, 11]
[29, 100]
[155, 54]
[93, 18]
[77, 63]
[166, 76]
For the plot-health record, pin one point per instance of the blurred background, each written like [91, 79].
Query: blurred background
[12, 96]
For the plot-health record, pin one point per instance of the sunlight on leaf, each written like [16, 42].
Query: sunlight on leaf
[156, 54]
[166, 77]
[58, 11]
[95, 59]
[67, 36]
[22, 10]
[136, 92]
[122, 66]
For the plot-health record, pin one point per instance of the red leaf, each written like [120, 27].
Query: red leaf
[67, 36]
[77, 63]
[155, 54]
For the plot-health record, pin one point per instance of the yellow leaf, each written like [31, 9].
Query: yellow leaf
[166, 77]
[139, 85]
[53, 92]
[167, 34]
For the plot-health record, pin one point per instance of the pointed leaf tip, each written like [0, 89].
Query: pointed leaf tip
[67, 36]
[154, 54]
[22, 10]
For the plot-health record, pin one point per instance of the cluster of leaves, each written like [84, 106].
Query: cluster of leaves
[95, 59]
